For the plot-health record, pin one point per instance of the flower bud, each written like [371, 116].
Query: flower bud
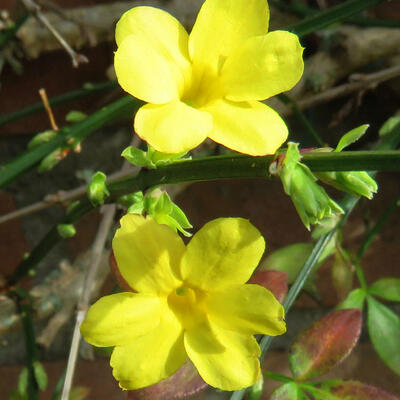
[66, 230]
[97, 190]
[311, 201]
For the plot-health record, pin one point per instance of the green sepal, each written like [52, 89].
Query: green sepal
[40, 375]
[75, 116]
[138, 157]
[384, 332]
[351, 137]
[42, 137]
[51, 160]
[160, 159]
[311, 201]
[386, 288]
[97, 189]
[66, 230]
[255, 391]
[355, 299]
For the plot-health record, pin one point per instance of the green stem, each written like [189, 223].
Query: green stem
[302, 119]
[377, 227]
[330, 16]
[76, 132]
[304, 11]
[87, 90]
[206, 169]
[25, 310]
[360, 275]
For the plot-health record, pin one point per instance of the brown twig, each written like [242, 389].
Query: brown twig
[83, 304]
[35, 10]
[61, 197]
[363, 82]
[46, 104]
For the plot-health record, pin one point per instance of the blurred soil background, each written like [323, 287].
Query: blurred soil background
[38, 62]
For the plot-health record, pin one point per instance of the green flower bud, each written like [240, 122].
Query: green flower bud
[357, 183]
[311, 201]
[42, 137]
[66, 230]
[97, 189]
[51, 160]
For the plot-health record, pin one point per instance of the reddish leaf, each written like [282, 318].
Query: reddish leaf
[353, 390]
[115, 270]
[325, 343]
[184, 383]
[275, 281]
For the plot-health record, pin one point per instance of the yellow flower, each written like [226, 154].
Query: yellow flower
[190, 301]
[208, 83]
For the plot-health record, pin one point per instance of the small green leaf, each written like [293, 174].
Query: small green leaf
[389, 125]
[136, 208]
[163, 205]
[66, 230]
[384, 331]
[288, 391]
[42, 137]
[342, 273]
[351, 137]
[23, 382]
[355, 299]
[325, 344]
[97, 189]
[137, 157]
[386, 288]
[40, 375]
[75, 116]
[128, 199]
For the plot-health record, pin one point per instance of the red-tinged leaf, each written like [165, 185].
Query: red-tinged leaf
[184, 383]
[353, 390]
[115, 270]
[275, 281]
[288, 391]
[325, 343]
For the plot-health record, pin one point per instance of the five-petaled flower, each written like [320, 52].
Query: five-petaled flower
[189, 301]
[208, 83]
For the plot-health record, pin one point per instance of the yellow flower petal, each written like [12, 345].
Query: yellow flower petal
[148, 254]
[225, 359]
[248, 127]
[247, 309]
[263, 67]
[151, 357]
[118, 318]
[172, 128]
[152, 61]
[221, 26]
[223, 253]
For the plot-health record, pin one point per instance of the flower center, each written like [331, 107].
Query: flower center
[186, 303]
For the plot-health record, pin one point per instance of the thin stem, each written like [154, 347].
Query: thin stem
[302, 119]
[207, 169]
[86, 90]
[97, 252]
[378, 227]
[76, 132]
[331, 16]
[360, 275]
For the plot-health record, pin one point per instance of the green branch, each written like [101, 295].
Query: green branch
[87, 90]
[208, 169]
[75, 132]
